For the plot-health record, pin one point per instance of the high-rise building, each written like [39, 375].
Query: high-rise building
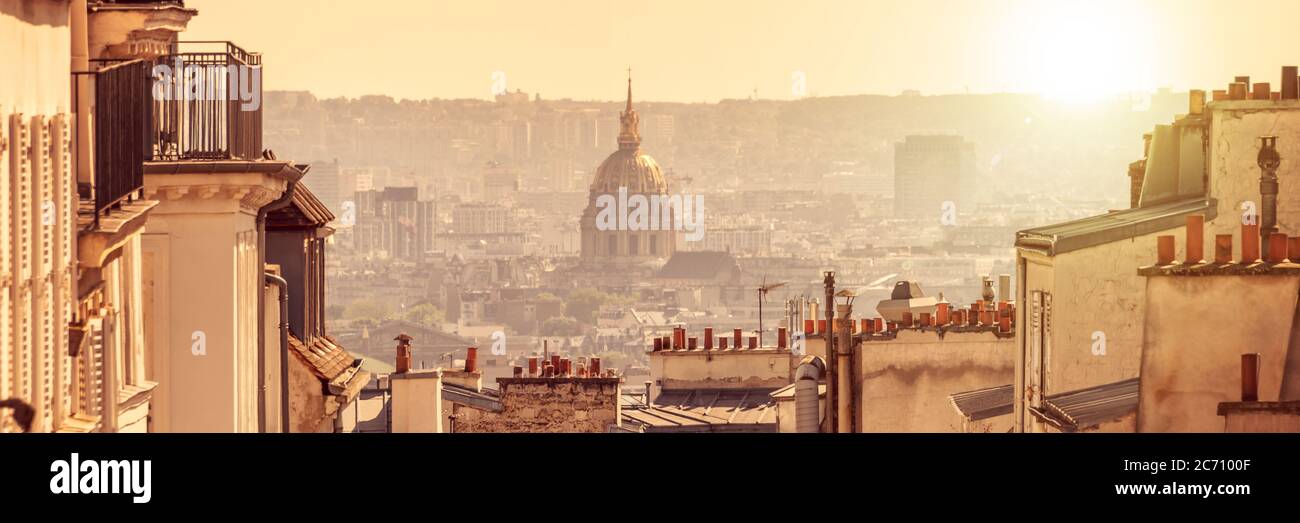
[931, 172]
[394, 223]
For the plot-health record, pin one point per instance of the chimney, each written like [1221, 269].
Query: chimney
[808, 328]
[659, 344]
[403, 353]
[1250, 377]
[595, 367]
[925, 319]
[753, 342]
[692, 343]
[1195, 238]
[907, 319]
[555, 364]
[1277, 247]
[1293, 248]
[1241, 80]
[708, 338]
[1196, 101]
[532, 365]
[879, 325]
[1260, 91]
[1249, 243]
[518, 371]
[1222, 248]
[1164, 249]
[648, 384]
[821, 326]
[1219, 94]
[781, 334]
[722, 343]
[471, 359]
[548, 371]
[1290, 83]
[1237, 91]
[736, 336]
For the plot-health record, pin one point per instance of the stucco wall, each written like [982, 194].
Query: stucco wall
[417, 401]
[588, 405]
[1234, 171]
[35, 57]
[1197, 328]
[905, 382]
[1261, 421]
[744, 369]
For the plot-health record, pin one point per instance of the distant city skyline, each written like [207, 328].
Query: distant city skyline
[683, 51]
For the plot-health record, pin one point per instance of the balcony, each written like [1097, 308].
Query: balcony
[202, 102]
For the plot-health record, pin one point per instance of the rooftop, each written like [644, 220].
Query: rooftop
[703, 410]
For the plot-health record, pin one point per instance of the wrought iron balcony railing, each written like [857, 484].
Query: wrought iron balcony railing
[195, 105]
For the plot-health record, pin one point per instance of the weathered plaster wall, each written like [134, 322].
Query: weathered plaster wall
[417, 401]
[568, 405]
[1197, 328]
[730, 369]
[1261, 421]
[1234, 171]
[905, 382]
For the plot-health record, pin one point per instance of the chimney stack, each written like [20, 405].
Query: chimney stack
[708, 338]
[781, 334]
[595, 367]
[532, 364]
[736, 336]
[1277, 247]
[1260, 91]
[1196, 101]
[1237, 91]
[1195, 238]
[1164, 249]
[1290, 83]
[471, 359]
[692, 343]
[403, 353]
[1249, 243]
[1250, 377]
[1222, 248]
[518, 371]
[753, 342]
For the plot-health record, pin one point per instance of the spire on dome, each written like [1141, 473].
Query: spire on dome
[629, 137]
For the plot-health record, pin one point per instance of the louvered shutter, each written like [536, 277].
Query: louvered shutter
[8, 350]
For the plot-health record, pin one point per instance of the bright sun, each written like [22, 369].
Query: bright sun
[1081, 52]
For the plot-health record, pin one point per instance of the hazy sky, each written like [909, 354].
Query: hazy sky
[705, 50]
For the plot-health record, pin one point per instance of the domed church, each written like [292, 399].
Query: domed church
[627, 172]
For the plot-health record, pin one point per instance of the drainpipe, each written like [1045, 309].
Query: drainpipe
[1268, 160]
[284, 354]
[829, 337]
[281, 203]
[843, 379]
[807, 412]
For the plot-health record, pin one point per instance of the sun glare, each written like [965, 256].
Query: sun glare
[1082, 53]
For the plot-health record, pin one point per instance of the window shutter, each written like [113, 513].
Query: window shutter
[20, 191]
[90, 379]
[7, 347]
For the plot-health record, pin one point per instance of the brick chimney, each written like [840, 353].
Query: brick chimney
[403, 353]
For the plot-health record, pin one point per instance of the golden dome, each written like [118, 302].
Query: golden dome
[629, 167]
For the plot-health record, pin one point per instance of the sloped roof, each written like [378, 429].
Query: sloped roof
[698, 265]
[1114, 226]
[704, 410]
[1092, 406]
[323, 357]
[981, 404]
